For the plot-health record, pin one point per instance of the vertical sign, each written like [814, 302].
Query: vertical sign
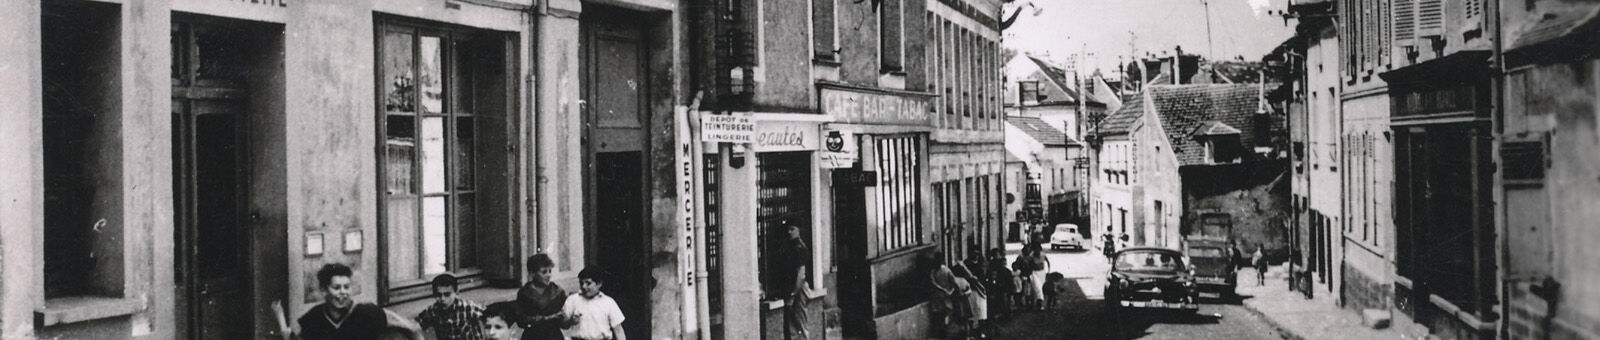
[684, 176]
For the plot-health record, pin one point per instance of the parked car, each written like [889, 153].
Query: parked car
[1066, 236]
[1213, 266]
[1150, 278]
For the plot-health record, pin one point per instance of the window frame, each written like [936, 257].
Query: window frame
[452, 39]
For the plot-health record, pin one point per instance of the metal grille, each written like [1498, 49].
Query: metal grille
[899, 217]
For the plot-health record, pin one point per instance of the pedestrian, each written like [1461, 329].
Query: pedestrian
[1002, 287]
[794, 258]
[339, 317]
[590, 314]
[498, 319]
[950, 293]
[1041, 266]
[451, 317]
[978, 319]
[1259, 261]
[539, 301]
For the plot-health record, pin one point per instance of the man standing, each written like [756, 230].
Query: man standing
[793, 258]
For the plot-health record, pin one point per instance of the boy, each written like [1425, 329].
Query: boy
[451, 317]
[591, 315]
[540, 301]
[339, 317]
[497, 320]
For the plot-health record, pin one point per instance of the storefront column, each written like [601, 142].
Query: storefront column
[558, 127]
[741, 284]
[21, 157]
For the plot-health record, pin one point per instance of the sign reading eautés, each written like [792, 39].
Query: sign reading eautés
[870, 107]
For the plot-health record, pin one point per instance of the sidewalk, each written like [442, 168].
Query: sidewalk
[1318, 318]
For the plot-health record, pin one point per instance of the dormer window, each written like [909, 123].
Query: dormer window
[1028, 91]
[1219, 142]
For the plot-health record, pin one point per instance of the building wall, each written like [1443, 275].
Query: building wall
[1366, 191]
[1156, 182]
[1112, 198]
[1549, 232]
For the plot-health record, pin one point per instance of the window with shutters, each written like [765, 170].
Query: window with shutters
[899, 164]
[824, 40]
[1430, 18]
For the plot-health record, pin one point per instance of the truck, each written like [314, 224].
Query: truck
[1211, 248]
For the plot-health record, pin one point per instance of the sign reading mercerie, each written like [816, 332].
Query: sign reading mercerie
[727, 129]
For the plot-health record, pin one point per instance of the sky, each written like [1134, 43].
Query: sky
[1104, 28]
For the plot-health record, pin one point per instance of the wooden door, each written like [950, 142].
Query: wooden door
[210, 186]
[615, 116]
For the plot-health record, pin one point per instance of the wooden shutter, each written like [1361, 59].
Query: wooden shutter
[1430, 18]
[1405, 22]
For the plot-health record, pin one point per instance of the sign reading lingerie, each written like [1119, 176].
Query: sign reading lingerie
[727, 128]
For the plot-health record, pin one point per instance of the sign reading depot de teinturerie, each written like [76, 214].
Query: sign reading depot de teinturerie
[727, 129]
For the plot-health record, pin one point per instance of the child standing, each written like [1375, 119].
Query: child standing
[539, 301]
[498, 319]
[451, 317]
[590, 314]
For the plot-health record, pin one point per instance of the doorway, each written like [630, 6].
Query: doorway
[616, 113]
[221, 70]
[850, 239]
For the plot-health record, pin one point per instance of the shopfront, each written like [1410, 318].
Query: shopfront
[880, 208]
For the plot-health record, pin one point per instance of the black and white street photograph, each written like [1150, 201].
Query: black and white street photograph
[799, 169]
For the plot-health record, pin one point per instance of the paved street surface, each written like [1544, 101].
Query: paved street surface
[1083, 316]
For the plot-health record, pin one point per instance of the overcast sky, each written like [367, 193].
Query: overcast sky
[1248, 28]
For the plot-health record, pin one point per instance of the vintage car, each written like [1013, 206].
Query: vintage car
[1149, 277]
[1213, 267]
[1066, 236]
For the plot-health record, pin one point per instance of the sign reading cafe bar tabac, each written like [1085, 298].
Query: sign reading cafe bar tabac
[848, 105]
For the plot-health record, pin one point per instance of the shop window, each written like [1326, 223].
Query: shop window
[445, 164]
[783, 200]
[899, 171]
[80, 59]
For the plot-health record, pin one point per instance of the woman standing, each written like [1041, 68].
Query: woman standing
[1040, 265]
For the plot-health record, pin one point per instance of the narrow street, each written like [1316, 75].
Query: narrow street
[1083, 316]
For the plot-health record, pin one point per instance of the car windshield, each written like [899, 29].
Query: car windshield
[1205, 252]
[1148, 261]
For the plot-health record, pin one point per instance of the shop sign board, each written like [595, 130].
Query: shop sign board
[727, 129]
[840, 149]
[866, 107]
[780, 136]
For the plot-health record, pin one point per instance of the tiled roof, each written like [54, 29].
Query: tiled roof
[1039, 130]
[1119, 122]
[1057, 76]
[1186, 110]
[1214, 128]
[1554, 24]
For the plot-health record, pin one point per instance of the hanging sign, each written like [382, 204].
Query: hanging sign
[840, 149]
[727, 129]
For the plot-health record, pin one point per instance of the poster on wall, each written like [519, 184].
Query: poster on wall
[839, 149]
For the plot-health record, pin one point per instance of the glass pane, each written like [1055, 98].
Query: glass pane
[399, 84]
[466, 231]
[432, 80]
[464, 148]
[397, 167]
[401, 237]
[433, 155]
[433, 235]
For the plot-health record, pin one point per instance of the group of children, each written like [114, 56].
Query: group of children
[542, 309]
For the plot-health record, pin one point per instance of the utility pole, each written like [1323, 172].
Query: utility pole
[1210, 50]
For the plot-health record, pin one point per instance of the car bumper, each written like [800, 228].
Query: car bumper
[1213, 281]
[1066, 244]
[1158, 304]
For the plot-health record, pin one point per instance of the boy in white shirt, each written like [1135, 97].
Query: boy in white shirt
[591, 315]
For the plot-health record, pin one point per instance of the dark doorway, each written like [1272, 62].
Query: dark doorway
[616, 116]
[210, 152]
[850, 255]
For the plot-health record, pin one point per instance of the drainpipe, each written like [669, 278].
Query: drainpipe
[1497, 81]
